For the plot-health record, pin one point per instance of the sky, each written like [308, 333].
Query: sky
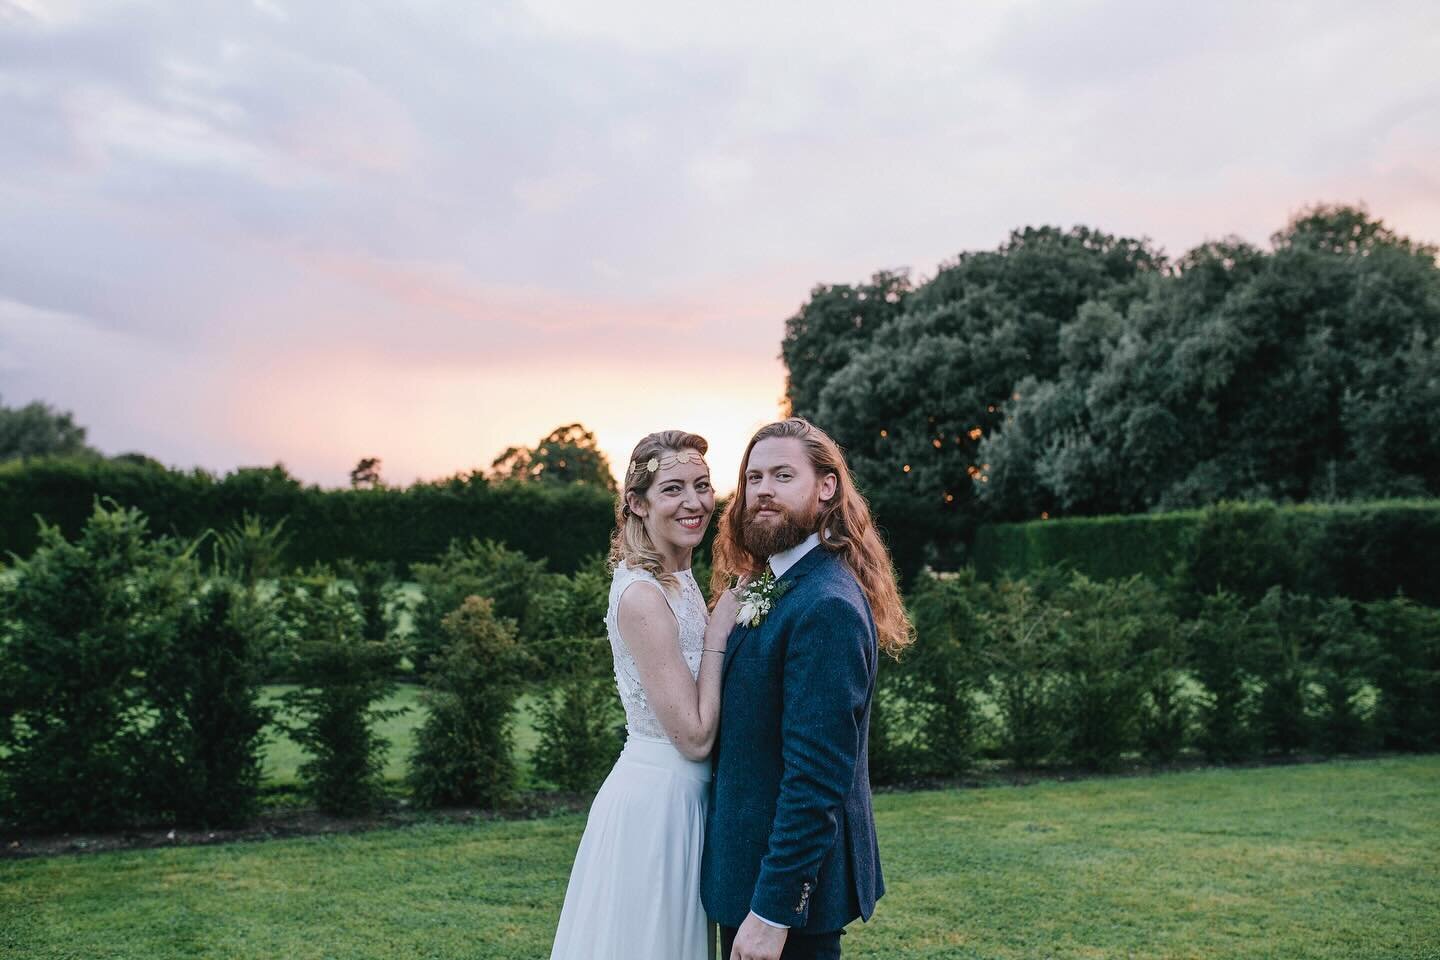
[240, 233]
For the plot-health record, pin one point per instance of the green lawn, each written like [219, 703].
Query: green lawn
[1334, 860]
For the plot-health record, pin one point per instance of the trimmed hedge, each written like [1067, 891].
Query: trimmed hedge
[561, 524]
[1365, 551]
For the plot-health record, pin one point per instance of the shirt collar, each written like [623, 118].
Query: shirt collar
[786, 559]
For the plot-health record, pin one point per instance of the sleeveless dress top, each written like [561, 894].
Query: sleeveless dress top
[688, 604]
[634, 891]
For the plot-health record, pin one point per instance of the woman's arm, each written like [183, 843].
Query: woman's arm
[688, 708]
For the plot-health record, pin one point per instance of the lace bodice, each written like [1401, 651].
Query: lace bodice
[688, 605]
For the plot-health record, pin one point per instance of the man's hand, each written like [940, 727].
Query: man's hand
[757, 940]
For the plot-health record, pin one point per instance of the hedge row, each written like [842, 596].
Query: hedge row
[130, 678]
[1365, 551]
[562, 524]
[1063, 669]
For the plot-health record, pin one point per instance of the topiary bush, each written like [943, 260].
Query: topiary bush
[1022, 662]
[211, 721]
[481, 568]
[332, 714]
[942, 675]
[464, 751]
[1221, 640]
[1097, 630]
[1406, 672]
[87, 630]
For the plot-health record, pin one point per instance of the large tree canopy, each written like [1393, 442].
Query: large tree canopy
[1076, 372]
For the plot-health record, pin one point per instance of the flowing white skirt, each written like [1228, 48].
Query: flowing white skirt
[634, 891]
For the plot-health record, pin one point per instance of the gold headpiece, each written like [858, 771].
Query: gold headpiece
[658, 463]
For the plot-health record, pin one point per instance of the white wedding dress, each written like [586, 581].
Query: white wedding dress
[634, 891]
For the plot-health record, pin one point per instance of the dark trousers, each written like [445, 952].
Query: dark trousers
[798, 946]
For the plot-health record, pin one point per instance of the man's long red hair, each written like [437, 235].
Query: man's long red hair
[845, 527]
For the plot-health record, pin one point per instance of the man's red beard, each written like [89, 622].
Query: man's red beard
[777, 532]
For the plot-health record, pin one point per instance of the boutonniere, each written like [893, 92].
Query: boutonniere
[758, 597]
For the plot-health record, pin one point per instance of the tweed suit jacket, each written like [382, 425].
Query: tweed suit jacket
[790, 833]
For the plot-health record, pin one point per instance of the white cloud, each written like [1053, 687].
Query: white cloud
[458, 186]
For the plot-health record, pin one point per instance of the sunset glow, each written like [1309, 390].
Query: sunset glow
[291, 232]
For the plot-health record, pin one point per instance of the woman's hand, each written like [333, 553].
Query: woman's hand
[722, 619]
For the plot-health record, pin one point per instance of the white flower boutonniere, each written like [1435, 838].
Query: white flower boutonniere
[757, 598]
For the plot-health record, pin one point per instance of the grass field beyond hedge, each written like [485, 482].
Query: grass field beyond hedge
[1334, 860]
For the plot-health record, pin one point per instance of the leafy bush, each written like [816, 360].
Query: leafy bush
[1022, 660]
[579, 720]
[373, 585]
[341, 677]
[464, 751]
[581, 731]
[480, 568]
[1221, 642]
[211, 719]
[1284, 670]
[1097, 629]
[86, 631]
[1344, 657]
[1406, 672]
[943, 673]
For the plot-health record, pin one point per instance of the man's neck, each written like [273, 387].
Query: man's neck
[785, 559]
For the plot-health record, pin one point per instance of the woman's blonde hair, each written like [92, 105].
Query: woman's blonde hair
[631, 543]
[844, 525]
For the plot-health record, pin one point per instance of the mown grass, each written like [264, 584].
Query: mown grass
[1334, 860]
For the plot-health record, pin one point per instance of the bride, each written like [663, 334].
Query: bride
[635, 888]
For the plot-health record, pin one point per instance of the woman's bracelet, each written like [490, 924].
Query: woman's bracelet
[712, 650]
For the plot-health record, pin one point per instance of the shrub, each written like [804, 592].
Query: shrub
[212, 721]
[1221, 638]
[1097, 630]
[341, 677]
[481, 568]
[1283, 623]
[1406, 672]
[87, 628]
[464, 751]
[372, 583]
[1344, 657]
[943, 672]
[579, 720]
[1162, 662]
[581, 730]
[251, 550]
[1021, 656]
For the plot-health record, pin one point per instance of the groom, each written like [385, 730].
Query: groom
[790, 853]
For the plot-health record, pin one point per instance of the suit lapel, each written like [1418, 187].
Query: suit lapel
[738, 636]
[742, 632]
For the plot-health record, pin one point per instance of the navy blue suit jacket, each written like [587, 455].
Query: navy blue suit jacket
[790, 833]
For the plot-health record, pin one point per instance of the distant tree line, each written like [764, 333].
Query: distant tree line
[1071, 372]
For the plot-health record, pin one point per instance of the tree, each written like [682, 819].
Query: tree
[1305, 373]
[366, 474]
[914, 402]
[567, 454]
[830, 328]
[39, 430]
